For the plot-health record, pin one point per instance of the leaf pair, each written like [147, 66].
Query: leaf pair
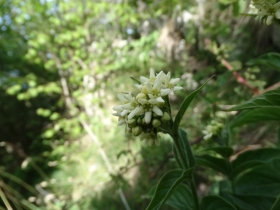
[261, 108]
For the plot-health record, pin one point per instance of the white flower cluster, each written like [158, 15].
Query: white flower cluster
[212, 130]
[267, 10]
[146, 111]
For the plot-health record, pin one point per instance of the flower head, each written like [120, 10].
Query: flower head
[146, 113]
[267, 10]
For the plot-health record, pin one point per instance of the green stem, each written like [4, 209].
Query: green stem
[191, 183]
[194, 193]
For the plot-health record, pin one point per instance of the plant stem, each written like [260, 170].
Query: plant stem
[192, 182]
[194, 193]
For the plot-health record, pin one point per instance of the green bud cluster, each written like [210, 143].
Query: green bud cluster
[213, 129]
[137, 125]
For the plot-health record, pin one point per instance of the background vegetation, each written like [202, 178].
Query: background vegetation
[62, 64]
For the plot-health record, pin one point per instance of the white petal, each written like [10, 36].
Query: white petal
[157, 111]
[118, 108]
[121, 98]
[151, 96]
[138, 86]
[159, 99]
[168, 75]
[164, 92]
[124, 112]
[149, 86]
[269, 20]
[177, 88]
[277, 14]
[157, 84]
[121, 121]
[153, 101]
[148, 117]
[131, 115]
[139, 110]
[117, 114]
[174, 81]
[277, 5]
[126, 106]
[142, 101]
[143, 79]
[152, 73]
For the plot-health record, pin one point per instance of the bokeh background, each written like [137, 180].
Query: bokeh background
[62, 64]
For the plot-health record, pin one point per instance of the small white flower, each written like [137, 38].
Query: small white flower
[267, 11]
[146, 107]
[170, 84]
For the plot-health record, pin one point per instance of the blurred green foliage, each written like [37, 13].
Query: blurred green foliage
[62, 64]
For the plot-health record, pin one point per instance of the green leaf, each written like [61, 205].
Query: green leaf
[167, 185]
[250, 159]
[226, 152]
[218, 164]
[178, 159]
[219, 186]
[269, 99]
[261, 180]
[249, 202]
[278, 137]
[188, 158]
[256, 115]
[213, 202]
[271, 60]
[276, 205]
[184, 107]
[181, 198]
[135, 80]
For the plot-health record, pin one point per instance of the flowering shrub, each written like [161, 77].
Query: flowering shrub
[149, 112]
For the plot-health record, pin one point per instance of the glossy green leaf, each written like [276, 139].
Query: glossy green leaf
[257, 115]
[188, 158]
[213, 202]
[167, 185]
[261, 180]
[185, 104]
[226, 152]
[178, 159]
[253, 158]
[249, 202]
[217, 164]
[267, 100]
[271, 60]
[276, 205]
[181, 198]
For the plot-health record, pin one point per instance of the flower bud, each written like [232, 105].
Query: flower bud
[131, 123]
[136, 131]
[139, 121]
[156, 123]
[165, 117]
[160, 104]
[141, 95]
